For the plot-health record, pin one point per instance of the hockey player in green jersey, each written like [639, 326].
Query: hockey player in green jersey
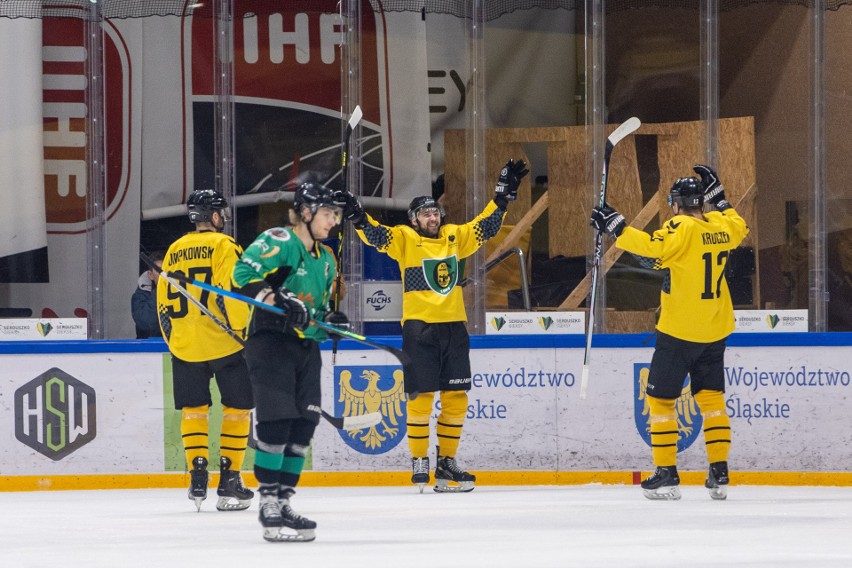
[433, 317]
[200, 349]
[291, 269]
[696, 317]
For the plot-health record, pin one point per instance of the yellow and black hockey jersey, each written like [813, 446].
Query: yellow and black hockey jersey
[191, 335]
[695, 304]
[431, 267]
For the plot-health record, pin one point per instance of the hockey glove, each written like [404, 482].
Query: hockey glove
[714, 191]
[297, 313]
[510, 179]
[352, 210]
[339, 320]
[607, 220]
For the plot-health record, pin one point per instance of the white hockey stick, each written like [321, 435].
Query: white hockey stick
[628, 127]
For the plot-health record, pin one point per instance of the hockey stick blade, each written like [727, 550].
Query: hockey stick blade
[629, 126]
[350, 423]
[354, 119]
[357, 114]
[584, 382]
[398, 353]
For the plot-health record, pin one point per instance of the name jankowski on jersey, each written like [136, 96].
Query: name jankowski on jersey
[715, 238]
[190, 253]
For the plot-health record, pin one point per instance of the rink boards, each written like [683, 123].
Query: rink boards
[99, 413]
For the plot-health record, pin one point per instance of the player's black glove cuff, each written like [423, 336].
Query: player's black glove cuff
[338, 320]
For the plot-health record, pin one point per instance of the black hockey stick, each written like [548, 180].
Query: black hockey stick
[398, 353]
[627, 127]
[192, 299]
[341, 423]
[354, 119]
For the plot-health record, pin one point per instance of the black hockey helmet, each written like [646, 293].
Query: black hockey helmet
[687, 192]
[314, 196]
[202, 203]
[423, 202]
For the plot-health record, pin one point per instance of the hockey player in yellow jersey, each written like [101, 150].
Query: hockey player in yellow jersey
[433, 317]
[696, 317]
[201, 349]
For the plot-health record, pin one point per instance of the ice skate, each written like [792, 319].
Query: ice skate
[663, 484]
[198, 482]
[233, 496]
[291, 527]
[269, 514]
[420, 472]
[450, 478]
[717, 481]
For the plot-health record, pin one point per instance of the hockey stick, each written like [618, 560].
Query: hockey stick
[628, 127]
[398, 353]
[192, 299]
[341, 423]
[354, 119]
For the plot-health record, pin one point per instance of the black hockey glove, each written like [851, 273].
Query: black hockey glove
[714, 191]
[297, 313]
[352, 210]
[339, 320]
[607, 220]
[507, 186]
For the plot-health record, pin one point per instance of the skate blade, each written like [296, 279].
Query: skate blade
[663, 493]
[278, 534]
[443, 486]
[198, 501]
[232, 504]
[421, 486]
[719, 493]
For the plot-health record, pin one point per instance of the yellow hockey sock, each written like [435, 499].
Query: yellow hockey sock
[193, 430]
[419, 410]
[451, 421]
[664, 434]
[235, 432]
[717, 425]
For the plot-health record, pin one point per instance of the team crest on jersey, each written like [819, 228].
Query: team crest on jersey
[279, 234]
[441, 274]
[363, 390]
[689, 420]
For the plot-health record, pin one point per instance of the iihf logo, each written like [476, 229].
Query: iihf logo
[362, 390]
[689, 420]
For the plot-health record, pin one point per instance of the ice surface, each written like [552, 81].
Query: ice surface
[588, 525]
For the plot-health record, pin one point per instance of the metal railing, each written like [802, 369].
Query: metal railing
[522, 265]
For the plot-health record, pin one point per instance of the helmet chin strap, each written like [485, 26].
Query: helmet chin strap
[419, 227]
[308, 223]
